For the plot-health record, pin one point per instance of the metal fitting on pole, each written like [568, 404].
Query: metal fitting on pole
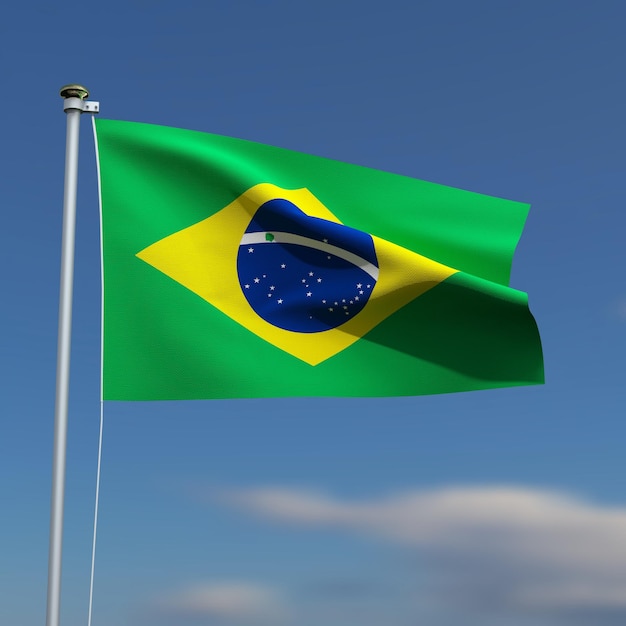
[75, 97]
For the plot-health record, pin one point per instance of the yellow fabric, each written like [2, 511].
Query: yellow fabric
[203, 258]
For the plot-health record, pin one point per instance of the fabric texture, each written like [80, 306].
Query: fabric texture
[235, 270]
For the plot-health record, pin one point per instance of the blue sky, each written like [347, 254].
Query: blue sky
[499, 507]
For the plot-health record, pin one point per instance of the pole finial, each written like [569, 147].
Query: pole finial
[74, 91]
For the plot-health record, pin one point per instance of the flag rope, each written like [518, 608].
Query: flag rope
[98, 472]
[95, 517]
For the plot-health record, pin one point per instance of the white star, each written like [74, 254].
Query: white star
[328, 257]
[323, 301]
[359, 285]
[304, 280]
[361, 292]
[283, 266]
[344, 300]
[325, 240]
[272, 287]
[280, 300]
[250, 249]
[269, 295]
[345, 307]
[264, 275]
[256, 280]
[351, 301]
[310, 273]
[369, 286]
[347, 313]
[331, 309]
[308, 294]
[247, 286]
[356, 297]
[319, 280]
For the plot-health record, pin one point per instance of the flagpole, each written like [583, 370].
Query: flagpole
[74, 105]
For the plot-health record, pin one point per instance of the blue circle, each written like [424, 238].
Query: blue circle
[307, 286]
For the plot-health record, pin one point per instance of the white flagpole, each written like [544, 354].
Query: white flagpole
[74, 105]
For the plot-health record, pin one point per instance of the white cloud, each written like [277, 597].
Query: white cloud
[226, 602]
[535, 549]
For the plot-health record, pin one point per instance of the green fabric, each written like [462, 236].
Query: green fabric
[161, 341]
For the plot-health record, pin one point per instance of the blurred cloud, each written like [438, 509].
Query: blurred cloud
[521, 551]
[224, 603]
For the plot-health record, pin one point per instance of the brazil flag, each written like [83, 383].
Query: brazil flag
[237, 270]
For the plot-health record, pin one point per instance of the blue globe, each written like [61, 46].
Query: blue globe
[303, 273]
